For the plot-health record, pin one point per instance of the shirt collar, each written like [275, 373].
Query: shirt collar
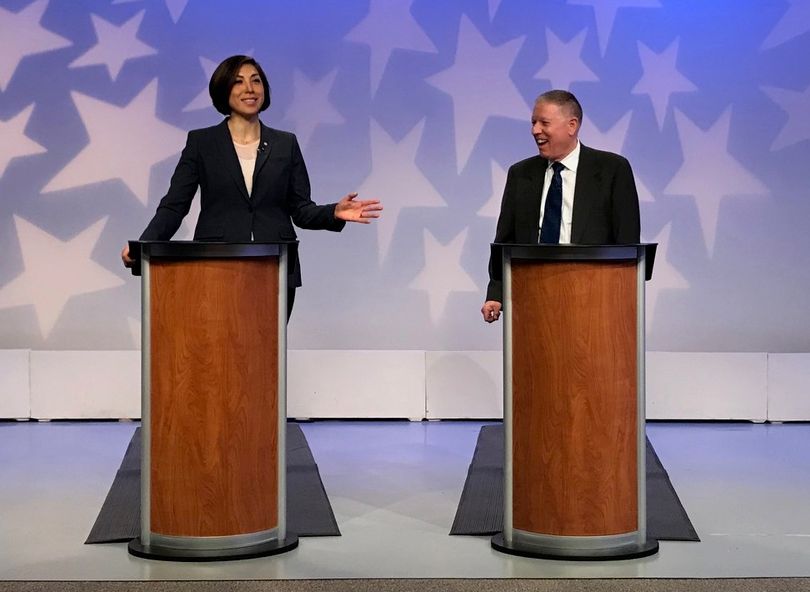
[571, 161]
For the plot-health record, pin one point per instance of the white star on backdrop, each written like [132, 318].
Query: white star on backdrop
[23, 36]
[605, 14]
[389, 25]
[396, 180]
[661, 78]
[564, 64]
[124, 143]
[709, 172]
[443, 273]
[480, 86]
[15, 143]
[492, 208]
[55, 271]
[203, 99]
[797, 107]
[310, 106]
[644, 193]
[665, 276]
[795, 22]
[492, 7]
[116, 45]
[611, 140]
[175, 7]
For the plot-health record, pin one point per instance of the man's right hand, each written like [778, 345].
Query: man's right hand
[128, 262]
[491, 310]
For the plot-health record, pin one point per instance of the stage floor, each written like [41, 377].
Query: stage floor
[394, 487]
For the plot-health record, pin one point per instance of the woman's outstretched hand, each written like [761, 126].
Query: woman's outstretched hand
[363, 211]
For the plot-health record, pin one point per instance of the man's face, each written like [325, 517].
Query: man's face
[554, 130]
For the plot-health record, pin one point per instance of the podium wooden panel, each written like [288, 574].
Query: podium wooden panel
[574, 401]
[213, 397]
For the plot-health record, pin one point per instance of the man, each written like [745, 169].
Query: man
[568, 194]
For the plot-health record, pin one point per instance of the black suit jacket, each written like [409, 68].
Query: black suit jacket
[605, 212]
[280, 196]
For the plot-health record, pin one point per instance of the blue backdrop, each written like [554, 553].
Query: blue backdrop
[423, 104]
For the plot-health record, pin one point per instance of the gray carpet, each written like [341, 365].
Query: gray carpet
[309, 512]
[480, 510]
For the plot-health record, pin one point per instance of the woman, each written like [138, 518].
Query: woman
[253, 181]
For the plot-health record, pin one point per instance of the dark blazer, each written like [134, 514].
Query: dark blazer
[605, 212]
[280, 196]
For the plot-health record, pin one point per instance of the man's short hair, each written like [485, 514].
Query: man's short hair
[224, 77]
[564, 100]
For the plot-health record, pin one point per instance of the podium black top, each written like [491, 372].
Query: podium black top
[203, 250]
[569, 252]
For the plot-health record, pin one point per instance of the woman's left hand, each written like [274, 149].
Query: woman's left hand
[350, 209]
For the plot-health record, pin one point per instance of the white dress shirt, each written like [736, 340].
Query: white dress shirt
[569, 181]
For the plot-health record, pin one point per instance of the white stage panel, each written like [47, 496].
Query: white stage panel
[464, 384]
[707, 385]
[789, 387]
[355, 383]
[85, 384]
[15, 393]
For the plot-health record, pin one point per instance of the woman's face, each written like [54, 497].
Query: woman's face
[247, 94]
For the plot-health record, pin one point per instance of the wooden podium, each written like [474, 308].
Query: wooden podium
[574, 415]
[213, 469]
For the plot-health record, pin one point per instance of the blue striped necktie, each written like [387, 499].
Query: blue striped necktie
[552, 215]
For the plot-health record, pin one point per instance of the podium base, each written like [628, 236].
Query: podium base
[273, 547]
[623, 552]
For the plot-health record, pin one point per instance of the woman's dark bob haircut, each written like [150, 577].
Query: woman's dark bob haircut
[224, 77]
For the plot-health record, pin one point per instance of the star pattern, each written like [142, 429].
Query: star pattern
[564, 65]
[15, 143]
[203, 99]
[795, 22]
[23, 35]
[175, 7]
[470, 75]
[389, 25]
[492, 207]
[661, 78]
[492, 8]
[665, 275]
[55, 271]
[797, 107]
[605, 14]
[116, 45]
[443, 273]
[127, 140]
[644, 193]
[310, 106]
[709, 172]
[396, 178]
[611, 140]
[480, 86]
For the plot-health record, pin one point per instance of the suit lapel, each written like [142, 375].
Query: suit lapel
[530, 197]
[265, 146]
[230, 160]
[588, 176]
